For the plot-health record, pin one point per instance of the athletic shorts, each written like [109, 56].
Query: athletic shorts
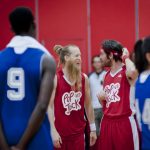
[118, 134]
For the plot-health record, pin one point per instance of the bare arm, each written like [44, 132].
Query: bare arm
[40, 109]
[131, 71]
[55, 135]
[90, 112]
[88, 105]
[50, 110]
[3, 143]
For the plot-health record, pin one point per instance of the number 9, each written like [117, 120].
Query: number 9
[15, 80]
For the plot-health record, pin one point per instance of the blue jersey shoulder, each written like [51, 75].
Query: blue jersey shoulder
[142, 96]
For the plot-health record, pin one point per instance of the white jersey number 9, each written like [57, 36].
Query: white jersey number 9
[15, 80]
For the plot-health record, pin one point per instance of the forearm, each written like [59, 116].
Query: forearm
[3, 143]
[51, 117]
[129, 65]
[90, 113]
[131, 71]
[34, 123]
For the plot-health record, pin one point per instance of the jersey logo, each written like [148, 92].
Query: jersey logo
[111, 92]
[71, 101]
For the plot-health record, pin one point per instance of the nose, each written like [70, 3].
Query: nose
[79, 57]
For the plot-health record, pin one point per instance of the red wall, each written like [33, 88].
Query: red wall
[112, 20]
[6, 6]
[144, 18]
[66, 22]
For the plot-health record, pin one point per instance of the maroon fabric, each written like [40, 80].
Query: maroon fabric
[77, 143]
[116, 134]
[69, 108]
[117, 90]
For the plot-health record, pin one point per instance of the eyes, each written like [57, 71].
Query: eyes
[76, 55]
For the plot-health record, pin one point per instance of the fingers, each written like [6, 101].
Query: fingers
[101, 96]
[92, 140]
[60, 140]
[57, 143]
[98, 96]
[14, 148]
[125, 51]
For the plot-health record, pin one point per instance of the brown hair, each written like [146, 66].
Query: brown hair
[113, 46]
[74, 74]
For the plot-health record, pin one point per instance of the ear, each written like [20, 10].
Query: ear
[66, 57]
[110, 56]
[148, 57]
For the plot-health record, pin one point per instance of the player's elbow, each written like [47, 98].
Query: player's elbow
[42, 107]
[132, 74]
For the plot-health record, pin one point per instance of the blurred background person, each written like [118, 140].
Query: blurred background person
[142, 93]
[96, 85]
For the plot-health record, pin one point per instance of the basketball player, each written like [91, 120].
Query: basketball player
[118, 127]
[96, 84]
[26, 83]
[142, 94]
[70, 96]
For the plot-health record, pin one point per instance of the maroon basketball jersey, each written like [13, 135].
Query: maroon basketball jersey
[69, 108]
[117, 90]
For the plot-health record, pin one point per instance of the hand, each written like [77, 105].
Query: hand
[15, 148]
[93, 138]
[101, 96]
[57, 141]
[125, 52]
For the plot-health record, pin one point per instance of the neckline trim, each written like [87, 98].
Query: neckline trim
[71, 84]
[114, 74]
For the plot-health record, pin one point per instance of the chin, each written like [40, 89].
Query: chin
[78, 66]
[105, 65]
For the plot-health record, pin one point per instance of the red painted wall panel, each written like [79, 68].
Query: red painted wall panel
[144, 18]
[64, 22]
[6, 6]
[112, 20]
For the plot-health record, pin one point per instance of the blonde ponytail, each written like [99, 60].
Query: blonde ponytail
[58, 49]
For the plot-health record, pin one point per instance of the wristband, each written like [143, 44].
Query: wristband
[124, 58]
[92, 127]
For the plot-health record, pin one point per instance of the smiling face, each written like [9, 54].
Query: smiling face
[73, 65]
[105, 60]
[74, 57]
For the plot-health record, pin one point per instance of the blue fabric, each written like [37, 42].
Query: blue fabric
[15, 114]
[142, 94]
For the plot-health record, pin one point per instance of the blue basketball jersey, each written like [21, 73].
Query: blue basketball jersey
[142, 95]
[20, 77]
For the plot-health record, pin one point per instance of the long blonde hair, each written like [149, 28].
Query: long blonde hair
[74, 73]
